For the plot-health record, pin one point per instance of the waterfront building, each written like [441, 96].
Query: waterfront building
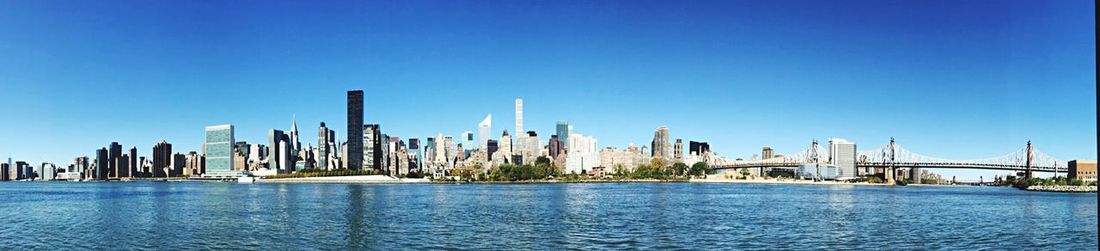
[218, 152]
[354, 155]
[660, 145]
[1084, 170]
[582, 154]
[843, 156]
[48, 171]
[241, 151]
[123, 165]
[484, 129]
[162, 152]
[194, 164]
[5, 172]
[178, 164]
[519, 115]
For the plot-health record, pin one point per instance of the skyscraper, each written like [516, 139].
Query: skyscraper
[843, 154]
[218, 150]
[162, 152]
[280, 158]
[660, 145]
[372, 146]
[484, 129]
[563, 133]
[115, 152]
[519, 115]
[326, 148]
[295, 144]
[102, 160]
[354, 157]
[134, 168]
[767, 153]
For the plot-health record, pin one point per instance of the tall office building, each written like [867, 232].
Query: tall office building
[555, 147]
[218, 150]
[354, 156]
[326, 148]
[372, 147]
[280, 158]
[102, 160]
[519, 115]
[484, 129]
[414, 148]
[162, 154]
[767, 153]
[843, 154]
[115, 152]
[135, 170]
[506, 147]
[295, 144]
[660, 145]
[563, 133]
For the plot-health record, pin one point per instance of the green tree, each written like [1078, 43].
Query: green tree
[698, 169]
[679, 168]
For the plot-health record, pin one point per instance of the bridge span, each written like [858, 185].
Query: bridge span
[892, 157]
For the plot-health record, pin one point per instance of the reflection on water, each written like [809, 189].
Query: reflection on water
[538, 216]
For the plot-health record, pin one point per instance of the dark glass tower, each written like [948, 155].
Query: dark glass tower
[162, 152]
[355, 130]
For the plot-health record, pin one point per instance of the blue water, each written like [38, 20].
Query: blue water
[187, 215]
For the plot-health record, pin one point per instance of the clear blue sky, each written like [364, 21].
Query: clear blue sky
[953, 79]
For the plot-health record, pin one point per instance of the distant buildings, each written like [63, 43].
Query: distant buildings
[218, 150]
[372, 147]
[767, 153]
[678, 150]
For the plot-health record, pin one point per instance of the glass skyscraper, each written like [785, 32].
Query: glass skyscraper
[219, 152]
[563, 133]
[355, 130]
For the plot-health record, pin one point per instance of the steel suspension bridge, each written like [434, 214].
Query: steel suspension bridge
[892, 156]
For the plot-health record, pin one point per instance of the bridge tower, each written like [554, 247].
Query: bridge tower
[1030, 158]
[891, 166]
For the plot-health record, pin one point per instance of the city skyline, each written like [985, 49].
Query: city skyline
[984, 104]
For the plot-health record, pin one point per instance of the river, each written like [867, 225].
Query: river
[198, 215]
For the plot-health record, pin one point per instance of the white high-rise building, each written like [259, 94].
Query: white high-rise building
[484, 128]
[519, 115]
[842, 154]
[583, 154]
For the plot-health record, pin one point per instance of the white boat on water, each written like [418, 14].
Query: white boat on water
[246, 179]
